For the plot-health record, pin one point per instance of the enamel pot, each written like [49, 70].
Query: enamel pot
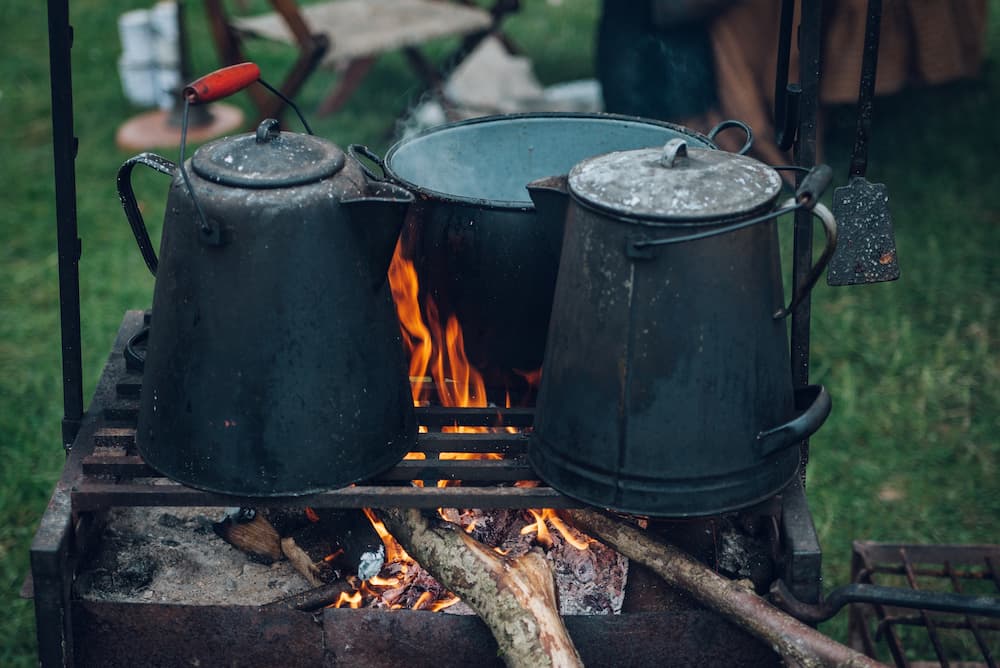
[666, 388]
[274, 364]
[480, 249]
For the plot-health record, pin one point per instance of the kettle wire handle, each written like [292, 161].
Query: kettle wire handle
[806, 197]
[209, 88]
[830, 229]
[132, 213]
[732, 123]
[354, 150]
[225, 81]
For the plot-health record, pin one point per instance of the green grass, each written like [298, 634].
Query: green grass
[909, 454]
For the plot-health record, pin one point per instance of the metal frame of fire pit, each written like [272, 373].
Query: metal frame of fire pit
[955, 568]
[102, 471]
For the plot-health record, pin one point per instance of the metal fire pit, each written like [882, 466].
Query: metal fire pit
[103, 471]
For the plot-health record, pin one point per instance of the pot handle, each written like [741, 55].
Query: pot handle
[806, 197]
[127, 196]
[354, 150]
[732, 123]
[830, 229]
[817, 404]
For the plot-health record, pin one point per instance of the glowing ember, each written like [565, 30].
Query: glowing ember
[394, 552]
[424, 599]
[444, 603]
[544, 538]
[349, 600]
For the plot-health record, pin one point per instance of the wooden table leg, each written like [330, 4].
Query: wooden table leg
[352, 77]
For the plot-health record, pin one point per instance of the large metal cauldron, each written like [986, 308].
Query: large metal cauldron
[666, 389]
[481, 251]
[274, 365]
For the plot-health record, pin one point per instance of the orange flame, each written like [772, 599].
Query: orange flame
[423, 600]
[438, 364]
[431, 349]
[394, 552]
[416, 337]
[443, 603]
[544, 538]
[350, 600]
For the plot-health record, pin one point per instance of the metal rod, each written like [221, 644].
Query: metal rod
[932, 631]
[64, 146]
[810, 26]
[972, 623]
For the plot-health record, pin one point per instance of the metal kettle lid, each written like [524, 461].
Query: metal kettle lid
[268, 158]
[675, 183]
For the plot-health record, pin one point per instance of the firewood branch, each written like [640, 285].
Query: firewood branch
[787, 635]
[516, 598]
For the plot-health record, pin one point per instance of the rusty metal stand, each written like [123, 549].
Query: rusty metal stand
[810, 43]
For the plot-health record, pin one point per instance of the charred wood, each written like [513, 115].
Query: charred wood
[789, 637]
[516, 598]
[251, 532]
[352, 545]
[314, 599]
[301, 561]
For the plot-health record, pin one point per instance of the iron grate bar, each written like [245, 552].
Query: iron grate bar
[932, 631]
[94, 495]
[992, 569]
[973, 625]
[487, 464]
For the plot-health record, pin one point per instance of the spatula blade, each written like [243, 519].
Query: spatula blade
[866, 246]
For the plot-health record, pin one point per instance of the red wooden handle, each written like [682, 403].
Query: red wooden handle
[221, 83]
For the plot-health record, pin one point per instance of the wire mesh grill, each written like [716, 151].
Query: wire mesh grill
[918, 638]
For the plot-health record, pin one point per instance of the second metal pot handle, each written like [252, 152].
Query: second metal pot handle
[806, 197]
[802, 290]
[814, 404]
[354, 150]
[725, 125]
[127, 196]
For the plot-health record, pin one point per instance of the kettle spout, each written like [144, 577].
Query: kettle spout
[551, 198]
[377, 219]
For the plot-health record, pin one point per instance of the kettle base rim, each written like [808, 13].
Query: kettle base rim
[387, 462]
[678, 498]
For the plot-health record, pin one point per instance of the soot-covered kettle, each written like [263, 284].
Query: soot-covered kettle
[274, 364]
[667, 388]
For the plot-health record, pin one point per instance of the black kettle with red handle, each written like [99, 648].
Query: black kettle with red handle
[274, 363]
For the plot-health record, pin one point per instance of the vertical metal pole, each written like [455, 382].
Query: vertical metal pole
[64, 146]
[810, 43]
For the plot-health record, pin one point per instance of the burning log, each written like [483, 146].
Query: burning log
[324, 544]
[359, 550]
[788, 636]
[515, 597]
[250, 531]
[313, 599]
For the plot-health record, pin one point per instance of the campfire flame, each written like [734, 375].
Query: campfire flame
[438, 365]
[352, 600]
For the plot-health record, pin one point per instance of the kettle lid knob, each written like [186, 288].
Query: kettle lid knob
[268, 129]
[672, 150]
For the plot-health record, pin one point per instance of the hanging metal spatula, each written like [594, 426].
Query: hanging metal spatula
[866, 250]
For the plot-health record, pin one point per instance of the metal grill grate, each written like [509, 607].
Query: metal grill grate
[114, 474]
[918, 638]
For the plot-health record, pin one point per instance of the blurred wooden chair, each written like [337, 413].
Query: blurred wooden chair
[350, 35]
